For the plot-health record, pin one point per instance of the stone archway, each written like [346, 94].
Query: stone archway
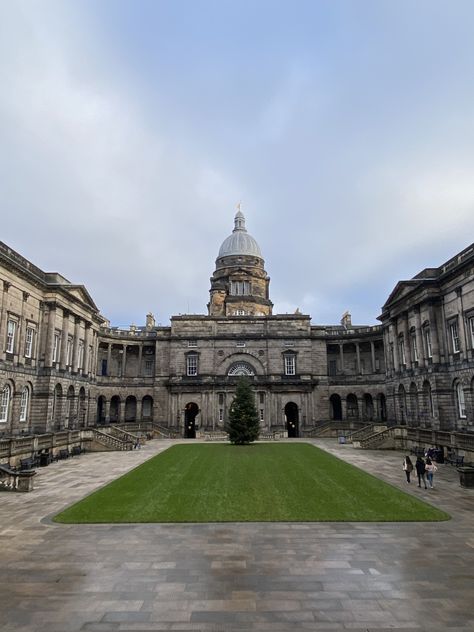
[191, 410]
[292, 420]
[335, 406]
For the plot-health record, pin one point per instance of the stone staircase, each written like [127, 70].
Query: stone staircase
[110, 441]
[383, 439]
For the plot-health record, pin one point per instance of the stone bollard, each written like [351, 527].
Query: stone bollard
[25, 481]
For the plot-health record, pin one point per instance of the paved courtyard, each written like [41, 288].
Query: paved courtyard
[232, 577]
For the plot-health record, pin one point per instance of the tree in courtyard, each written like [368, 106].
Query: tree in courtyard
[243, 426]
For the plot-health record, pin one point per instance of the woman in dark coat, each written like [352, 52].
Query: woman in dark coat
[420, 471]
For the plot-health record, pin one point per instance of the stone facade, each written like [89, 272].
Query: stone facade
[63, 366]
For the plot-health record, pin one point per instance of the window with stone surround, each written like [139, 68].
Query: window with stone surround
[11, 335]
[427, 339]
[56, 346]
[414, 347]
[454, 335]
[80, 355]
[148, 367]
[5, 403]
[289, 363]
[401, 348]
[69, 351]
[29, 342]
[470, 323]
[192, 364]
[240, 288]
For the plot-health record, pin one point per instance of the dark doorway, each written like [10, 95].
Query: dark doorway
[191, 411]
[101, 410]
[292, 423]
[335, 407]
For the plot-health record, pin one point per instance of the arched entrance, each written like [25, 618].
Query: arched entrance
[335, 407]
[101, 410]
[131, 408]
[292, 422]
[191, 411]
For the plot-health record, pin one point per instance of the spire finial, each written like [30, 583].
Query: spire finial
[239, 219]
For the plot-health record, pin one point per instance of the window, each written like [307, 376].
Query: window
[11, 331]
[103, 368]
[290, 364]
[5, 403]
[192, 343]
[471, 330]
[414, 348]
[25, 396]
[240, 343]
[221, 414]
[56, 346]
[261, 414]
[240, 288]
[401, 347]
[192, 364]
[429, 350]
[453, 330]
[29, 340]
[332, 367]
[148, 367]
[461, 401]
[240, 312]
[221, 399]
[392, 356]
[261, 397]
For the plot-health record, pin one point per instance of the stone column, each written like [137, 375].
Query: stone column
[3, 316]
[358, 358]
[64, 340]
[461, 324]
[372, 355]
[124, 361]
[140, 352]
[435, 350]
[75, 348]
[107, 411]
[419, 338]
[121, 411]
[406, 337]
[50, 335]
[86, 359]
[341, 356]
[139, 408]
[109, 357]
[394, 340]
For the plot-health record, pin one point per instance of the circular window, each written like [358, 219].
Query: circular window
[241, 368]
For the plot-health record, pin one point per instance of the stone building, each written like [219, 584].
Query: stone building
[63, 366]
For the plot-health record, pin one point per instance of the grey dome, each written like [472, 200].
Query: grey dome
[240, 242]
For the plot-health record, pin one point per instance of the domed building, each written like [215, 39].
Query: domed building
[240, 285]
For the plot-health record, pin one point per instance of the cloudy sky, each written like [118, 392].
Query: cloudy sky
[130, 130]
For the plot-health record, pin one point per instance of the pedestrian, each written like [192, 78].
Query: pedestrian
[407, 467]
[430, 468]
[420, 471]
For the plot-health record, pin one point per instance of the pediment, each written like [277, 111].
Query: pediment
[80, 293]
[402, 289]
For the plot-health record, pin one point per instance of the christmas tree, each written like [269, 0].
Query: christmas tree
[243, 424]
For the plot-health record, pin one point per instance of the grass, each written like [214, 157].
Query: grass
[256, 483]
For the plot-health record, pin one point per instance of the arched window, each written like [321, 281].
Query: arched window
[241, 368]
[461, 401]
[5, 403]
[24, 401]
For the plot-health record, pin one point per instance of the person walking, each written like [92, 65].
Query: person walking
[430, 469]
[420, 471]
[407, 467]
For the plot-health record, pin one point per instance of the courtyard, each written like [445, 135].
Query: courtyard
[233, 576]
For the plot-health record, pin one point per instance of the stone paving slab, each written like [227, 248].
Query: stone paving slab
[234, 577]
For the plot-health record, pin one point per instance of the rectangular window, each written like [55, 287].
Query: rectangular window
[240, 288]
[429, 350]
[221, 414]
[56, 346]
[192, 364]
[192, 343]
[332, 367]
[261, 397]
[401, 344]
[415, 348]
[471, 331]
[453, 329]
[148, 367]
[221, 399]
[103, 368]
[239, 312]
[240, 343]
[290, 365]
[29, 342]
[11, 332]
[261, 414]
[24, 404]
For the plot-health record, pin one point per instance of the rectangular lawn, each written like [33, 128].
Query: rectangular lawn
[257, 483]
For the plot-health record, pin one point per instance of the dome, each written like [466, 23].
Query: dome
[240, 242]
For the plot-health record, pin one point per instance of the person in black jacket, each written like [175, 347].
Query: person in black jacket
[420, 471]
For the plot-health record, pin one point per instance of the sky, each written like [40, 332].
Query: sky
[131, 129]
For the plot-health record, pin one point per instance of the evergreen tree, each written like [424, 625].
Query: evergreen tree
[244, 425]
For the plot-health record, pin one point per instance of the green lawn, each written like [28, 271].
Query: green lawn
[257, 483]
